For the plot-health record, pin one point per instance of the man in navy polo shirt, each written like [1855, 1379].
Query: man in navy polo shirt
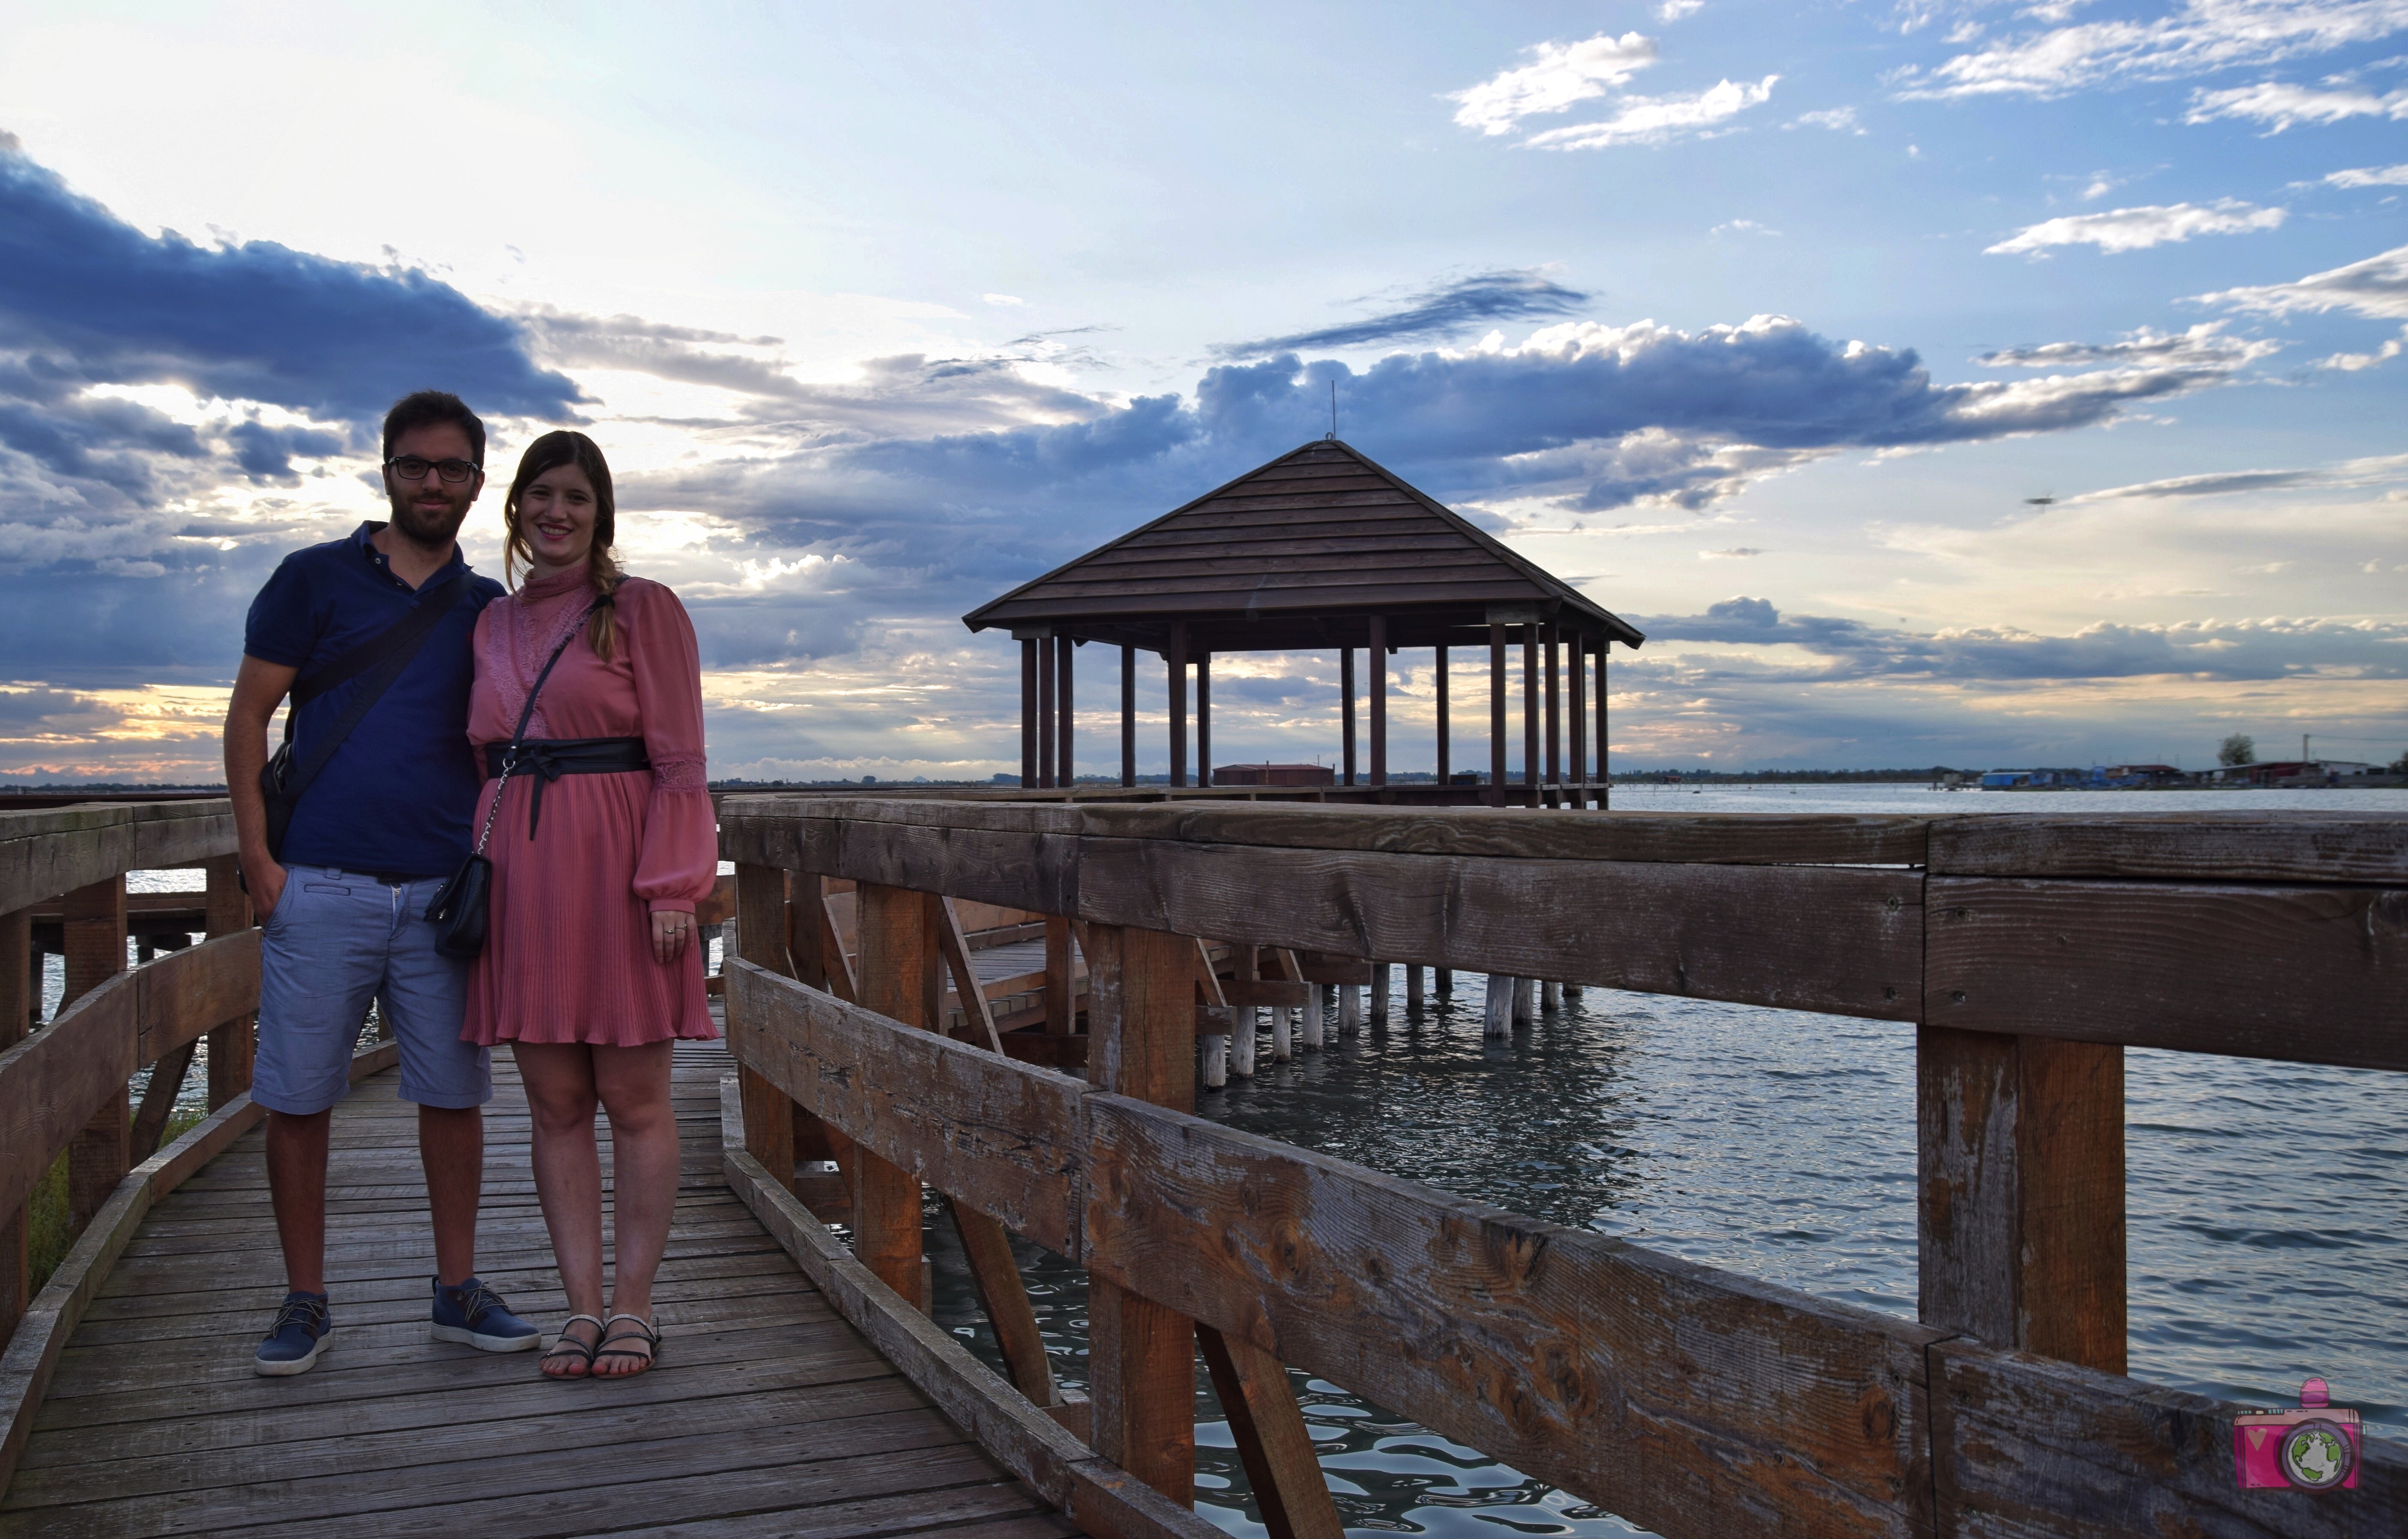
[344, 901]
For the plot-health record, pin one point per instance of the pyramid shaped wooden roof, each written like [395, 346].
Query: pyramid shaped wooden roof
[1297, 554]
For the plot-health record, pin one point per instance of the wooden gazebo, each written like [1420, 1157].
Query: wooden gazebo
[1319, 549]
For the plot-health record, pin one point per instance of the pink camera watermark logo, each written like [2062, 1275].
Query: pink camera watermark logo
[2314, 1449]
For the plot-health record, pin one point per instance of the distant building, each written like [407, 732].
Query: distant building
[1275, 774]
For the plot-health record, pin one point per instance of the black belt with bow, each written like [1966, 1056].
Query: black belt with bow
[549, 758]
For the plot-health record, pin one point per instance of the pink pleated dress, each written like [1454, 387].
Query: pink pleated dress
[569, 944]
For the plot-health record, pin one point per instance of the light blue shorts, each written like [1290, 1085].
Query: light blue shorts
[335, 941]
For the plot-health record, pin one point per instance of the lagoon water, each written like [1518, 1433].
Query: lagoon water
[2267, 1202]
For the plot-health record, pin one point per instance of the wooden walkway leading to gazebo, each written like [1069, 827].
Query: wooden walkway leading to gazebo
[768, 1415]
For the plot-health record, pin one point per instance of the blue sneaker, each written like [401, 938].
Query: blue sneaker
[475, 1314]
[301, 1331]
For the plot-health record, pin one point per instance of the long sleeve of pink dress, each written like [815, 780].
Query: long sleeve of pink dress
[568, 954]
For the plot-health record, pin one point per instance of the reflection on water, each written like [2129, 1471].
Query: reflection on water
[2268, 1212]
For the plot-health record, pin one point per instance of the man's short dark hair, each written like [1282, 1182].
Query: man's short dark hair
[426, 407]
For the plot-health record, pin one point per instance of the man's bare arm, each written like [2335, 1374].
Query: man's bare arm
[259, 687]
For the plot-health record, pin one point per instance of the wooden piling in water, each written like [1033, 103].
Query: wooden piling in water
[1496, 1019]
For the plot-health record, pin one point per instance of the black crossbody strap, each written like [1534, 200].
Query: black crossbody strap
[396, 645]
[361, 658]
[518, 736]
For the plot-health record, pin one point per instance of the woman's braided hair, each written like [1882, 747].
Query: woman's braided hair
[550, 453]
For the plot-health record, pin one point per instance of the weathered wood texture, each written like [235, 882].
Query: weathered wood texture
[1679, 1396]
[768, 1415]
[44, 853]
[1848, 942]
[2305, 975]
[2020, 1217]
[2321, 847]
[1824, 913]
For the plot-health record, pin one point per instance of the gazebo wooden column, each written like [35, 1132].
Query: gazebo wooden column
[1045, 711]
[1555, 709]
[1128, 715]
[1176, 658]
[1496, 716]
[1203, 718]
[1530, 765]
[1439, 675]
[1604, 773]
[1346, 687]
[1062, 648]
[1576, 674]
[1028, 712]
[1379, 686]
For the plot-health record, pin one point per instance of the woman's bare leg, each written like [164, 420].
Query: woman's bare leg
[634, 1084]
[561, 1099]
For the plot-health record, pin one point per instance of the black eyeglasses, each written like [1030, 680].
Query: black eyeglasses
[413, 467]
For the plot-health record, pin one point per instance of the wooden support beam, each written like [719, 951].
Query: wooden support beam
[1445, 757]
[1576, 733]
[1442, 980]
[986, 1245]
[1046, 734]
[1028, 712]
[770, 1113]
[234, 1046]
[1605, 794]
[158, 1102]
[1142, 1355]
[1346, 688]
[1064, 775]
[1497, 715]
[1382, 982]
[2020, 1228]
[1531, 762]
[1377, 654]
[1061, 982]
[1415, 997]
[94, 921]
[843, 980]
[1526, 1001]
[1273, 1445]
[1128, 715]
[1554, 707]
[1203, 718]
[1177, 660]
[901, 965]
[976, 1015]
[1496, 1014]
[1246, 1019]
[1350, 1010]
[20, 991]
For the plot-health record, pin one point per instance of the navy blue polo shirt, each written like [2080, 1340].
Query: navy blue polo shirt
[400, 794]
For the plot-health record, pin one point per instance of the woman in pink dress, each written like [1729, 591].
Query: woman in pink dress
[603, 843]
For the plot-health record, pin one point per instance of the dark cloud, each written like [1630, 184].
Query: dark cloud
[1448, 310]
[87, 300]
[2220, 650]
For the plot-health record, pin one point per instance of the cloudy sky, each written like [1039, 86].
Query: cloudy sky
[1763, 322]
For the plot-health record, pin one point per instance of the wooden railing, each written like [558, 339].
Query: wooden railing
[2029, 949]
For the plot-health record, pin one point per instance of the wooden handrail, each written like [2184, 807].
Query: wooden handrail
[2028, 946]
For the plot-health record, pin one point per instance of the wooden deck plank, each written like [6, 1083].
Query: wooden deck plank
[768, 1415]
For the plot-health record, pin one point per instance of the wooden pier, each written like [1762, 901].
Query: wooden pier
[804, 1391]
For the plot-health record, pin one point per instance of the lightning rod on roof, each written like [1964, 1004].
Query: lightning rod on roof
[1333, 410]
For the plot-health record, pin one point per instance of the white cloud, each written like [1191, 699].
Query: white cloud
[1838, 120]
[2284, 105]
[2203, 346]
[1658, 119]
[2200, 38]
[2370, 176]
[2136, 229]
[1558, 76]
[2350, 363]
[1742, 226]
[1673, 10]
[1003, 299]
[1737, 552]
[2376, 287]
[2377, 470]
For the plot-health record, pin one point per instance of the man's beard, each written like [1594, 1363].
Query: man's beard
[435, 531]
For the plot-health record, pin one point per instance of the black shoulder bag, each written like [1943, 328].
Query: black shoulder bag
[458, 911]
[285, 777]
